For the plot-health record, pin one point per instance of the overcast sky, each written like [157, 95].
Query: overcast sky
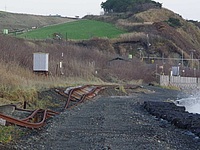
[188, 9]
[46, 7]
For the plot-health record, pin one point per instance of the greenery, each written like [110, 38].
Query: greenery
[174, 22]
[8, 133]
[127, 5]
[81, 29]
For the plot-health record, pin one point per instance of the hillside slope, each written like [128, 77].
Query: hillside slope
[13, 21]
[189, 32]
[80, 29]
[168, 34]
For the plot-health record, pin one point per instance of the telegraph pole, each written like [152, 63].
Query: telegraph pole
[148, 44]
[192, 57]
[182, 58]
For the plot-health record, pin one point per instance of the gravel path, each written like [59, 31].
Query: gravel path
[112, 123]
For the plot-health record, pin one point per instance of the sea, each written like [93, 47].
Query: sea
[191, 103]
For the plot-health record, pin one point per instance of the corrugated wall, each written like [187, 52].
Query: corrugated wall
[179, 81]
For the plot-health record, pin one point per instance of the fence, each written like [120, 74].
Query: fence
[178, 81]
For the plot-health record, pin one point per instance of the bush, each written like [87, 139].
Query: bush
[174, 22]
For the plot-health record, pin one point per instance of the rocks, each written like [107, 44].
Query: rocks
[7, 109]
[176, 115]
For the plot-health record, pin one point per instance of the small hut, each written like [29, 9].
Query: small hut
[41, 63]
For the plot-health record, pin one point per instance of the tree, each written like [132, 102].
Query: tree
[128, 5]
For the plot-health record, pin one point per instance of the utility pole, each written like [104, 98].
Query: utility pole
[148, 44]
[192, 57]
[162, 58]
[182, 58]
[66, 36]
[61, 64]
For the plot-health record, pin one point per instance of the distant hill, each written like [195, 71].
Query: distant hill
[14, 21]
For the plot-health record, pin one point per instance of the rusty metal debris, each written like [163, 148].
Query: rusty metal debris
[79, 94]
[37, 118]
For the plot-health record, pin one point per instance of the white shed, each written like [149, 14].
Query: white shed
[5, 31]
[41, 62]
[175, 71]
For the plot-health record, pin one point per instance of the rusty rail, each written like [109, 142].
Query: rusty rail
[37, 118]
[82, 93]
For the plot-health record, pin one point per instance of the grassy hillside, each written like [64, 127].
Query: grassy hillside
[14, 22]
[81, 29]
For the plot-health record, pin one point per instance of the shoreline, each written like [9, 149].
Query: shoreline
[113, 122]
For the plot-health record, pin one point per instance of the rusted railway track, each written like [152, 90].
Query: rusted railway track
[79, 94]
[37, 118]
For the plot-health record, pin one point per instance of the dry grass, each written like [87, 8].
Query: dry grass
[126, 23]
[19, 84]
[194, 33]
[81, 65]
[156, 15]
[133, 36]
[24, 21]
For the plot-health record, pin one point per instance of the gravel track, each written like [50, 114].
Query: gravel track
[112, 123]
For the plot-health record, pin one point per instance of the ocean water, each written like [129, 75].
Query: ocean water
[192, 103]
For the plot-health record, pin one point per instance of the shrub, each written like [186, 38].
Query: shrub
[174, 22]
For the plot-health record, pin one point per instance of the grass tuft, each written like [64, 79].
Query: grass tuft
[8, 134]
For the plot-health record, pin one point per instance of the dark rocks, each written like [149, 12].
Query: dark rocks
[174, 114]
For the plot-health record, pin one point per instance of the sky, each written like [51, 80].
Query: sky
[188, 9]
[66, 8]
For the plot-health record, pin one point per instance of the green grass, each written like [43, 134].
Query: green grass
[81, 29]
[9, 133]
